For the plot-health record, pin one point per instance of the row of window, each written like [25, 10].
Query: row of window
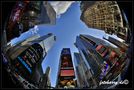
[26, 84]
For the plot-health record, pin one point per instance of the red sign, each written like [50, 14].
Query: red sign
[16, 16]
[67, 73]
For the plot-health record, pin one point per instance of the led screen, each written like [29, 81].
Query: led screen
[67, 73]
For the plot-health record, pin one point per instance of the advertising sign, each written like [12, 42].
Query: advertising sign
[66, 62]
[68, 83]
[67, 73]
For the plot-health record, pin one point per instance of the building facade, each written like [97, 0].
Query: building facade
[80, 68]
[66, 74]
[26, 59]
[104, 15]
[26, 15]
[103, 61]
[45, 80]
[118, 43]
[93, 61]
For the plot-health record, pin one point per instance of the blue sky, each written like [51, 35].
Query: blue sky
[67, 27]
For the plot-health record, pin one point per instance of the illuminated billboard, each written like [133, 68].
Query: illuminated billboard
[16, 13]
[66, 62]
[26, 61]
[104, 70]
[66, 73]
[67, 83]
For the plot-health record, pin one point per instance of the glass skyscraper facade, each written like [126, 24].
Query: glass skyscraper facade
[92, 60]
[26, 59]
[81, 69]
[102, 61]
[87, 49]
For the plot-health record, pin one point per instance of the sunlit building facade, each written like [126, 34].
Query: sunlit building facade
[104, 15]
[118, 43]
[26, 59]
[66, 72]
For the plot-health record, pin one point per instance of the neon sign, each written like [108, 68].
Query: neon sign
[16, 16]
[27, 67]
[104, 71]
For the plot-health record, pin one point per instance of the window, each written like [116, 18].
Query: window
[87, 39]
[65, 64]
[66, 61]
[29, 86]
[25, 82]
[118, 18]
[102, 49]
[90, 81]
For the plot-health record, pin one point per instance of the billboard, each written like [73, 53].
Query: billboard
[16, 13]
[68, 83]
[67, 73]
[66, 61]
[24, 63]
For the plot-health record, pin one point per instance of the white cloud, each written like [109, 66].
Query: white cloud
[61, 6]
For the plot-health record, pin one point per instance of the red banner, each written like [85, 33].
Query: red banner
[67, 73]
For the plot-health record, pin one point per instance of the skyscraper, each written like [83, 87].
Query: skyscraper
[103, 62]
[27, 14]
[26, 40]
[26, 59]
[104, 15]
[50, 12]
[93, 61]
[81, 69]
[118, 43]
[45, 80]
[66, 73]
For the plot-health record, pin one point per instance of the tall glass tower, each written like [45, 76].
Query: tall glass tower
[26, 58]
[102, 61]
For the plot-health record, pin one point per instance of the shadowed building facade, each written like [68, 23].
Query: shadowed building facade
[26, 58]
[101, 61]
